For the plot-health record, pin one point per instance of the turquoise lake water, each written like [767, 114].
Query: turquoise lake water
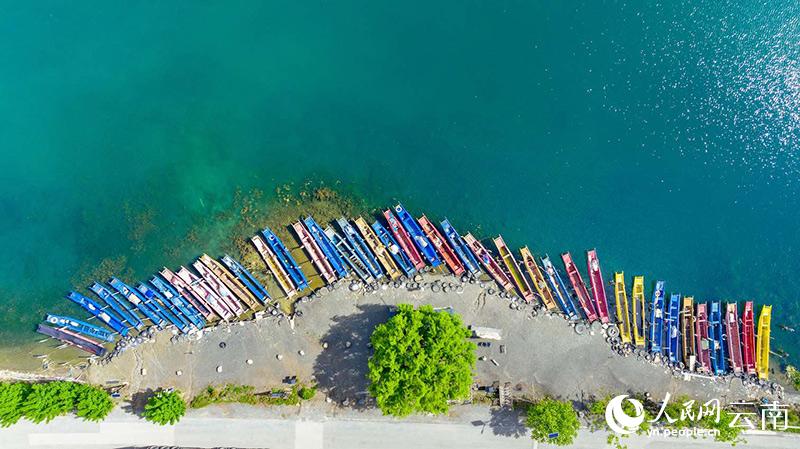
[664, 135]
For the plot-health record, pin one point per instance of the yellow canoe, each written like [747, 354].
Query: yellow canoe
[274, 265]
[639, 311]
[537, 278]
[762, 342]
[511, 264]
[687, 332]
[621, 297]
[377, 247]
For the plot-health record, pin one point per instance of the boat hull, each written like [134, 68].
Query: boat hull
[657, 312]
[442, 247]
[491, 266]
[579, 287]
[621, 299]
[523, 288]
[417, 236]
[400, 257]
[598, 285]
[73, 339]
[734, 340]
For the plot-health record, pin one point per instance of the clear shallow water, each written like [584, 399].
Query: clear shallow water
[666, 136]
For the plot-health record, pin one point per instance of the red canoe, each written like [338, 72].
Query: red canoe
[441, 246]
[580, 287]
[748, 339]
[734, 340]
[491, 265]
[404, 240]
[598, 286]
[701, 336]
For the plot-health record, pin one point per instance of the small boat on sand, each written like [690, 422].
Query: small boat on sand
[81, 327]
[360, 247]
[716, 338]
[702, 340]
[72, 339]
[376, 245]
[734, 340]
[205, 293]
[748, 339]
[230, 280]
[135, 298]
[657, 308]
[492, 267]
[621, 297]
[559, 289]
[105, 316]
[689, 350]
[579, 287]
[762, 342]
[537, 279]
[228, 298]
[274, 265]
[510, 262]
[185, 292]
[168, 311]
[120, 307]
[460, 247]
[169, 293]
[442, 247]
[404, 239]
[673, 323]
[639, 312]
[246, 278]
[327, 247]
[401, 259]
[414, 230]
[598, 285]
[349, 255]
[285, 258]
[315, 253]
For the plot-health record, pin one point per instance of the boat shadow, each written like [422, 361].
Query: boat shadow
[341, 371]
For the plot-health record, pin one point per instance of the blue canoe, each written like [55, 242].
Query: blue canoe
[673, 334]
[657, 319]
[360, 246]
[461, 248]
[414, 229]
[121, 307]
[105, 316]
[327, 247]
[399, 256]
[349, 255]
[560, 292]
[136, 298]
[286, 259]
[81, 327]
[717, 337]
[247, 278]
[167, 310]
[170, 294]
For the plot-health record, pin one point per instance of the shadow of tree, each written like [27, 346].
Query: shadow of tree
[137, 402]
[508, 423]
[341, 371]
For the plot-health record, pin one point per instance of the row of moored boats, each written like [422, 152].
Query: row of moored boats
[706, 337]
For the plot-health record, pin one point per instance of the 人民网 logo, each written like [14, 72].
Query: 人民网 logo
[618, 420]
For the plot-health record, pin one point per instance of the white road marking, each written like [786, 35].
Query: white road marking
[110, 433]
[308, 435]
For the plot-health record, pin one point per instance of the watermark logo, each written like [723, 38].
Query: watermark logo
[620, 421]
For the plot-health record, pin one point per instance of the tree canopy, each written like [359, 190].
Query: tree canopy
[551, 417]
[422, 359]
[165, 407]
[93, 403]
[12, 396]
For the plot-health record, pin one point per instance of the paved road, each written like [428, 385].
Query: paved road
[212, 428]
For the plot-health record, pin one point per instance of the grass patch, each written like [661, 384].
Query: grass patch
[246, 394]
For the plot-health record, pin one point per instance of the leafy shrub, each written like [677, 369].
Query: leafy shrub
[93, 403]
[47, 400]
[307, 393]
[12, 396]
[165, 407]
[245, 394]
[550, 416]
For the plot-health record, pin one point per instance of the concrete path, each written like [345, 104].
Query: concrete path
[212, 428]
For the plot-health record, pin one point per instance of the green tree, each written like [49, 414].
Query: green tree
[422, 359]
[307, 393]
[93, 403]
[12, 396]
[48, 400]
[550, 416]
[165, 407]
